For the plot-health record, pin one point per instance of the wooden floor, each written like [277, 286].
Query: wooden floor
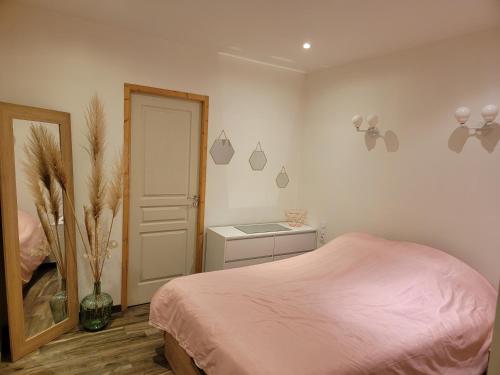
[128, 346]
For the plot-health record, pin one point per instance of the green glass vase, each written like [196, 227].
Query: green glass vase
[59, 303]
[95, 309]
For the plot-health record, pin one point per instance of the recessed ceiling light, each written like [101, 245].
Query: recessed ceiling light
[306, 45]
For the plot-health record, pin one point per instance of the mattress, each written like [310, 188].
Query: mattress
[358, 305]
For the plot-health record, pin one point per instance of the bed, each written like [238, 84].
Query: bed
[358, 305]
[31, 240]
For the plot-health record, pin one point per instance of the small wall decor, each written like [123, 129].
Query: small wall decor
[282, 179]
[222, 150]
[258, 158]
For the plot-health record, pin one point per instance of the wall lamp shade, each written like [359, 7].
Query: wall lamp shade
[372, 121]
[462, 114]
[489, 113]
[357, 121]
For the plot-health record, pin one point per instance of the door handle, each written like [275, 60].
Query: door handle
[196, 200]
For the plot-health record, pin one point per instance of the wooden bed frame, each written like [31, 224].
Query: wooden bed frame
[180, 362]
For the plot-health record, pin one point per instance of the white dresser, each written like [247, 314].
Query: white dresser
[228, 247]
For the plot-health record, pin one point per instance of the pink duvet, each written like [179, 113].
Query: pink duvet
[358, 305]
[30, 240]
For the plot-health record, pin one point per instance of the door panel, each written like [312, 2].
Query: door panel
[163, 253]
[164, 213]
[165, 137]
[159, 125]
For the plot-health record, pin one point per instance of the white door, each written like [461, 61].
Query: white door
[165, 139]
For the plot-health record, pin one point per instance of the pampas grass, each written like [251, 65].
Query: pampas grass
[104, 194]
[115, 191]
[95, 136]
[42, 151]
[48, 182]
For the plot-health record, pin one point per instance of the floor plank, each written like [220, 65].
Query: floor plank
[127, 346]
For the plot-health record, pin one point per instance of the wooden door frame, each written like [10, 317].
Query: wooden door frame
[130, 89]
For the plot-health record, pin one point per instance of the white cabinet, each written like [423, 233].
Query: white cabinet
[228, 247]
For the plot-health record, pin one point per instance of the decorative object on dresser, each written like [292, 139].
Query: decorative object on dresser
[282, 179]
[258, 159]
[105, 197]
[37, 226]
[295, 217]
[222, 150]
[232, 247]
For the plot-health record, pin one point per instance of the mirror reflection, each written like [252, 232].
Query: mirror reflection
[41, 225]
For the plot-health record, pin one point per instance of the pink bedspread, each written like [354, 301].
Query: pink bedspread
[358, 305]
[30, 240]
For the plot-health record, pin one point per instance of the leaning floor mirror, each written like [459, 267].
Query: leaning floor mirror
[38, 228]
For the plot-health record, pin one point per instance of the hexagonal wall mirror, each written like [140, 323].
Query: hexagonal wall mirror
[222, 150]
[258, 158]
[282, 179]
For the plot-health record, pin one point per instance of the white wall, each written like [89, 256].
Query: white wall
[52, 61]
[423, 192]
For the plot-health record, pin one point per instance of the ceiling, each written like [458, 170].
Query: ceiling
[272, 31]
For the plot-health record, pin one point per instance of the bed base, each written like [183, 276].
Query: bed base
[180, 362]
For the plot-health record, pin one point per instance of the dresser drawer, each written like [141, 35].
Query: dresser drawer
[295, 243]
[286, 256]
[249, 248]
[248, 262]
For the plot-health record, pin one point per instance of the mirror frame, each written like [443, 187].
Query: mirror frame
[19, 344]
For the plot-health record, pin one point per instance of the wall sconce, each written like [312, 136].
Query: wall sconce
[489, 114]
[372, 124]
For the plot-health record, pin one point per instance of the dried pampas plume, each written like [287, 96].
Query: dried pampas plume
[45, 162]
[48, 181]
[115, 190]
[55, 161]
[95, 136]
[103, 193]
